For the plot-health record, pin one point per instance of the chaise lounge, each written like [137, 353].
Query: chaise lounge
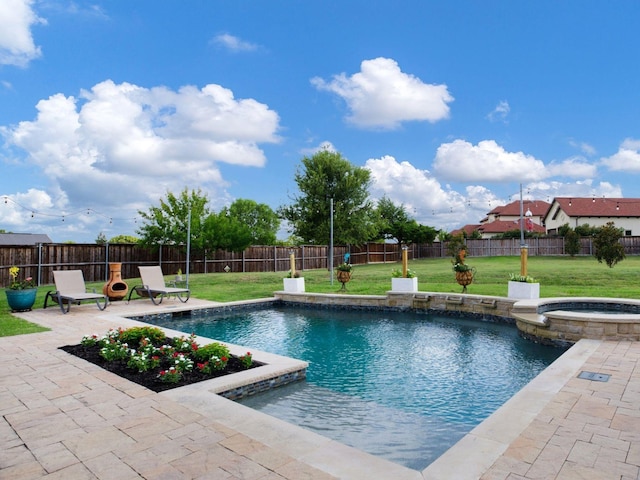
[70, 288]
[153, 286]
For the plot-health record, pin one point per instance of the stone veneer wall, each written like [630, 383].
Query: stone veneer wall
[558, 328]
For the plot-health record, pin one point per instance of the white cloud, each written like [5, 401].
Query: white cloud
[424, 197]
[460, 161]
[121, 144]
[16, 40]
[500, 113]
[382, 96]
[233, 43]
[326, 145]
[584, 147]
[574, 167]
[626, 159]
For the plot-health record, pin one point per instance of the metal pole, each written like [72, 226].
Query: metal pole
[188, 245]
[331, 238]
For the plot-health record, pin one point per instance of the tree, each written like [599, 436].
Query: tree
[168, 223]
[101, 239]
[571, 242]
[262, 221]
[124, 239]
[223, 232]
[607, 244]
[395, 222]
[322, 177]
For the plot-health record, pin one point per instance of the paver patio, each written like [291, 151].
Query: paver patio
[65, 418]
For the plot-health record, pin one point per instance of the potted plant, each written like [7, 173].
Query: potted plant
[343, 273]
[523, 287]
[464, 273]
[21, 294]
[293, 283]
[409, 283]
[179, 275]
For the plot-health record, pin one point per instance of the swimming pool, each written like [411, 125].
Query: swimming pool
[403, 386]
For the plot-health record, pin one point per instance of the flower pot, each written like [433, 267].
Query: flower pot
[343, 277]
[404, 284]
[464, 278]
[294, 285]
[523, 290]
[21, 300]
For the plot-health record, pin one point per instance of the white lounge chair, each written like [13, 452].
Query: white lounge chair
[70, 288]
[153, 286]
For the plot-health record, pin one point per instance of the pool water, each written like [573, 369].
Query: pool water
[403, 386]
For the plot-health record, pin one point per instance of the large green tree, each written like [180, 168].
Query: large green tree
[168, 223]
[395, 223]
[324, 176]
[261, 220]
[224, 232]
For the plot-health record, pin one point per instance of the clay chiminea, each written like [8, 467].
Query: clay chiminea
[115, 288]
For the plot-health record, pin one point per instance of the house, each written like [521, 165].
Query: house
[596, 212]
[23, 238]
[505, 218]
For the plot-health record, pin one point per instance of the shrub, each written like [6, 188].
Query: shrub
[134, 335]
[205, 353]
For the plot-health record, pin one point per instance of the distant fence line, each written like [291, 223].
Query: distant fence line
[39, 261]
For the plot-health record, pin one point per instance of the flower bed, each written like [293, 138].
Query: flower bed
[145, 356]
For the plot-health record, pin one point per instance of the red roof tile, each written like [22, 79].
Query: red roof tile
[537, 208]
[600, 207]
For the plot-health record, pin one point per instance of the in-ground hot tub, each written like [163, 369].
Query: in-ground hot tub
[568, 319]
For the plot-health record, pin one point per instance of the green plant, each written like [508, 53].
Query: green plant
[397, 273]
[344, 267]
[295, 275]
[210, 350]
[19, 284]
[246, 360]
[134, 335]
[516, 277]
[171, 375]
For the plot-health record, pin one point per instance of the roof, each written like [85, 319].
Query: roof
[599, 207]
[23, 238]
[536, 207]
[467, 229]
[502, 226]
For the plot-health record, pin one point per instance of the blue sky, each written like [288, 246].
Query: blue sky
[105, 106]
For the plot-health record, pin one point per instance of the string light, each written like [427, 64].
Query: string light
[88, 211]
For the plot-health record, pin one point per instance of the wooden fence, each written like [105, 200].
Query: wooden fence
[39, 261]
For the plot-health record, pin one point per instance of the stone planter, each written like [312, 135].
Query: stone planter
[523, 290]
[404, 284]
[21, 300]
[293, 285]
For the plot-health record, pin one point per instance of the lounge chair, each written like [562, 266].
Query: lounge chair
[70, 288]
[153, 286]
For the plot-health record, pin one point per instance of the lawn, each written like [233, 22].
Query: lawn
[558, 277]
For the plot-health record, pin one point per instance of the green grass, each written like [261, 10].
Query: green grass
[558, 277]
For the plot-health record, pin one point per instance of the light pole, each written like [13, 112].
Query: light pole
[331, 238]
[188, 245]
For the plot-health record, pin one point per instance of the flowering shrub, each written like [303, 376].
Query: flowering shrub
[246, 359]
[141, 350]
[171, 375]
[16, 284]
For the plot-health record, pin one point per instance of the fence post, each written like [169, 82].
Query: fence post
[39, 264]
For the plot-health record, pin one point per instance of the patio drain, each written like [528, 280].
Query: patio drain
[596, 377]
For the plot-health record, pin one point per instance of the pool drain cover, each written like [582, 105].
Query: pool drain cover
[596, 377]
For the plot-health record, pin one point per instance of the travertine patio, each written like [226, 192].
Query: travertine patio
[65, 418]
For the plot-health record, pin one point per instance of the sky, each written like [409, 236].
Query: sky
[108, 105]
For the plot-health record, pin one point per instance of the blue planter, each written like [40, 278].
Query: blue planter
[21, 300]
